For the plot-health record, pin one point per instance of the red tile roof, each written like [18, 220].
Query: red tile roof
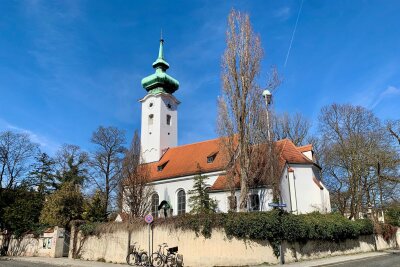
[188, 160]
[305, 148]
[192, 159]
[222, 183]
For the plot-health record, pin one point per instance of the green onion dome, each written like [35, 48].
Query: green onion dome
[160, 81]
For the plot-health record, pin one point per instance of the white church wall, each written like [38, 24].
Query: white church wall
[284, 190]
[307, 192]
[168, 189]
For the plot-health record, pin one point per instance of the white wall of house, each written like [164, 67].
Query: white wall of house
[300, 193]
[168, 189]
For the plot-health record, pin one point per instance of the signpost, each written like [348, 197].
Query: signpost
[149, 219]
[279, 206]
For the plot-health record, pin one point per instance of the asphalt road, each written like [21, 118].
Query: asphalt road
[391, 260]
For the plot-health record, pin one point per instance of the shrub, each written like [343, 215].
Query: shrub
[392, 216]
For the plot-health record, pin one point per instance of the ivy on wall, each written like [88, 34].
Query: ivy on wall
[273, 226]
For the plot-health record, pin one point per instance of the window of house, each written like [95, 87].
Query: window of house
[232, 202]
[211, 157]
[155, 201]
[151, 117]
[254, 202]
[168, 119]
[181, 202]
[162, 166]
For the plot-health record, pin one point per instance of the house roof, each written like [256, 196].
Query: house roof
[188, 160]
[222, 183]
[191, 159]
[305, 148]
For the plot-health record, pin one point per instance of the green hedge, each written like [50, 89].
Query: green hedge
[276, 225]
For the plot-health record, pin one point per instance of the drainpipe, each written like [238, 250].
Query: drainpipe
[295, 194]
[290, 193]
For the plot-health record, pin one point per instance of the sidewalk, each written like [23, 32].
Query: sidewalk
[64, 262]
[316, 262]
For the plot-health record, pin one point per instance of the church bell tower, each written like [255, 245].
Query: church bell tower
[159, 129]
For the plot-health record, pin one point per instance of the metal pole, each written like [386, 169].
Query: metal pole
[149, 237]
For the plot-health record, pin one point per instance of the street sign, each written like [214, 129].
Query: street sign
[277, 205]
[148, 218]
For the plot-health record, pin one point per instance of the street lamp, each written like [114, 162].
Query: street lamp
[267, 96]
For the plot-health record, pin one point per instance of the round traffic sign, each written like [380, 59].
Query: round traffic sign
[148, 218]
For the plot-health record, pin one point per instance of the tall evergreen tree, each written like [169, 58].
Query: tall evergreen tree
[94, 208]
[42, 176]
[199, 200]
[22, 211]
[63, 206]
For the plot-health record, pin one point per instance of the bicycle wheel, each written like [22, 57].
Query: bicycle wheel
[143, 259]
[131, 259]
[156, 260]
[171, 261]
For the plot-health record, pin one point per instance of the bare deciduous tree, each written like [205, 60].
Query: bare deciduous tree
[135, 193]
[294, 127]
[106, 161]
[242, 118]
[359, 164]
[16, 149]
[393, 127]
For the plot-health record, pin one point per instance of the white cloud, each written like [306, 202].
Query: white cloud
[389, 92]
[44, 142]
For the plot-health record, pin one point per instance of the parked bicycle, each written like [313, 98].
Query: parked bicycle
[171, 259]
[138, 258]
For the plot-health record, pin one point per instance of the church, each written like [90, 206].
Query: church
[173, 168]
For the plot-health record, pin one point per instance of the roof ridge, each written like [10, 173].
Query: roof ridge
[196, 143]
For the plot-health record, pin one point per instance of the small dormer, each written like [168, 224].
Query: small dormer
[161, 166]
[307, 151]
[211, 157]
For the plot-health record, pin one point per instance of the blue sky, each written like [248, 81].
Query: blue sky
[67, 67]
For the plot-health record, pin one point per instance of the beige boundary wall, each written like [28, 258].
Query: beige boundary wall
[50, 244]
[219, 250]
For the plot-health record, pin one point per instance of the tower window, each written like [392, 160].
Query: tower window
[151, 118]
[168, 119]
[169, 106]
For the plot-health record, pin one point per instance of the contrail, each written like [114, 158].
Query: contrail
[294, 31]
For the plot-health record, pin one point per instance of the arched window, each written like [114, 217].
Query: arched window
[155, 201]
[151, 117]
[181, 202]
